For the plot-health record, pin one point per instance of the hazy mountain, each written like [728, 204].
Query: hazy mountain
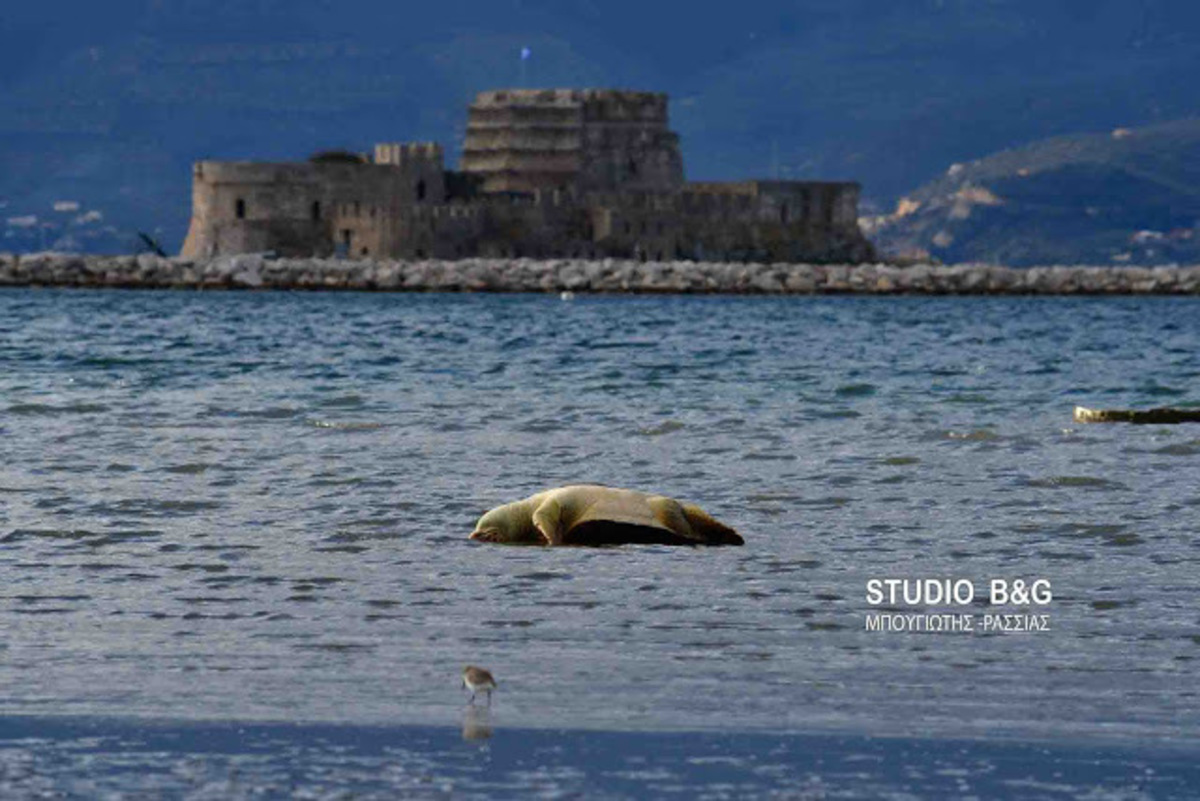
[1128, 195]
[108, 104]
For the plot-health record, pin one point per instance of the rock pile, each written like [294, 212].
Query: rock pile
[571, 275]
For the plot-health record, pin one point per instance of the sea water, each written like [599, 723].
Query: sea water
[255, 506]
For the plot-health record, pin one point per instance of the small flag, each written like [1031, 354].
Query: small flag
[526, 53]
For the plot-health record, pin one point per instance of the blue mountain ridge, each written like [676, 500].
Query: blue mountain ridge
[108, 106]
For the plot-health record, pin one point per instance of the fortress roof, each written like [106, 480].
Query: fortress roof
[566, 98]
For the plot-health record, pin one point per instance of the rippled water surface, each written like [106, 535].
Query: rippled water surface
[256, 506]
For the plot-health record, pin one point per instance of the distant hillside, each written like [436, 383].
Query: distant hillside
[106, 105]
[1130, 195]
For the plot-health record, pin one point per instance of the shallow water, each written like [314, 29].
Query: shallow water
[88, 759]
[255, 506]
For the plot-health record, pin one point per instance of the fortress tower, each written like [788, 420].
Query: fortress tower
[520, 140]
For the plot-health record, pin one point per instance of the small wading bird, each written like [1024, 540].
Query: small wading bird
[476, 679]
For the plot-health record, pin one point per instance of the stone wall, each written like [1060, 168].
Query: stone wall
[579, 276]
[776, 221]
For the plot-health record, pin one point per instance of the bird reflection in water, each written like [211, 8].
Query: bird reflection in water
[477, 723]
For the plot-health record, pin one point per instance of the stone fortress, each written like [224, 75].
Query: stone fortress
[558, 173]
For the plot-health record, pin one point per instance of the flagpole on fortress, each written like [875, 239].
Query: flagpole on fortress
[525, 54]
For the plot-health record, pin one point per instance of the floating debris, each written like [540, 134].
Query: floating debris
[1162, 415]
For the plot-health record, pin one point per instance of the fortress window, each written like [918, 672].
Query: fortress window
[316, 210]
[783, 214]
[239, 209]
[364, 251]
[633, 168]
[421, 189]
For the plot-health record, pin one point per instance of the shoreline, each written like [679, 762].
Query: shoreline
[1097, 737]
[608, 276]
[90, 756]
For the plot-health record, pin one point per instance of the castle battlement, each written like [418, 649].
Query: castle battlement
[259, 172]
[402, 154]
[625, 100]
[544, 173]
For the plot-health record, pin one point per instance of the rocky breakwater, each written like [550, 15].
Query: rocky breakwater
[570, 275]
